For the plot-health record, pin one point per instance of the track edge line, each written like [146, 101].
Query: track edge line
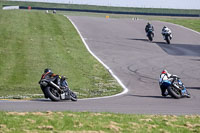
[125, 89]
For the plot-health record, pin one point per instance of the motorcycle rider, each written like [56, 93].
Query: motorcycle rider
[58, 79]
[166, 76]
[149, 27]
[166, 30]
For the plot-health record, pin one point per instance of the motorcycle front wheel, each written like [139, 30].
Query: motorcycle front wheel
[150, 37]
[167, 40]
[175, 93]
[73, 96]
[52, 93]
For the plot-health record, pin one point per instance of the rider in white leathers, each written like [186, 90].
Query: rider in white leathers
[166, 30]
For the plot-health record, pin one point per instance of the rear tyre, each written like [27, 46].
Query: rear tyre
[52, 93]
[174, 92]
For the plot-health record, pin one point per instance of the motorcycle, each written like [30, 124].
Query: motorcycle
[54, 92]
[174, 86]
[167, 35]
[150, 34]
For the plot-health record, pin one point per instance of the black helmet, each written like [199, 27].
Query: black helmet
[47, 70]
[165, 27]
[63, 78]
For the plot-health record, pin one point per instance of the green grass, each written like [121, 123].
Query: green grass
[189, 22]
[58, 122]
[31, 41]
[107, 8]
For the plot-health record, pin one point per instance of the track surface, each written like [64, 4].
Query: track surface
[122, 45]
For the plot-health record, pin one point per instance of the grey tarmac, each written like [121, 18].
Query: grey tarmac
[123, 46]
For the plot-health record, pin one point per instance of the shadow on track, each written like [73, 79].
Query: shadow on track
[49, 101]
[193, 88]
[175, 49]
[144, 40]
[180, 49]
[161, 97]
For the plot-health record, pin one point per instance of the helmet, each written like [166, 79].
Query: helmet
[63, 77]
[148, 23]
[47, 70]
[165, 27]
[164, 71]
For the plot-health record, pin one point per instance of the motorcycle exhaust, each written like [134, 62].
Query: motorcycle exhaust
[54, 85]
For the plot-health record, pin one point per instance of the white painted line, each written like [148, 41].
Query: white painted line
[111, 72]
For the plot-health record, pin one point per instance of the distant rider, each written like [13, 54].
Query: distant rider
[166, 30]
[149, 27]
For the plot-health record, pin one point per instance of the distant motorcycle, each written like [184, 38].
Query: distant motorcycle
[150, 34]
[166, 32]
[174, 86]
[54, 92]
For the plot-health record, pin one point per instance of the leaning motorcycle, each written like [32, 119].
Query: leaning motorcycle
[54, 92]
[150, 34]
[174, 86]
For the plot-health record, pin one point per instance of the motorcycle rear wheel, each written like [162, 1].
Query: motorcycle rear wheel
[52, 93]
[174, 92]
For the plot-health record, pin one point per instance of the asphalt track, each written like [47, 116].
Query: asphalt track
[122, 45]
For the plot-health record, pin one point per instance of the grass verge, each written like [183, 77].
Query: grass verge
[32, 40]
[105, 8]
[60, 122]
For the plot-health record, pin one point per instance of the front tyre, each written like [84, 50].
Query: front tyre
[73, 96]
[52, 93]
[150, 36]
[167, 39]
[174, 92]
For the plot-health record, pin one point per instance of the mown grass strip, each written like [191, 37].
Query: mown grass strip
[20, 122]
[31, 41]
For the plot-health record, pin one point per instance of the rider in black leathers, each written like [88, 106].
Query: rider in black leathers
[58, 79]
[148, 27]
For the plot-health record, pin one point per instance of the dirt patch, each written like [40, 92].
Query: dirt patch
[46, 127]
[78, 124]
[2, 126]
[17, 113]
[48, 113]
[82, 131]
[114, 126]
[163, 131]
[72, 115]
[31, 121]
[146, 120]
[134, 125]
